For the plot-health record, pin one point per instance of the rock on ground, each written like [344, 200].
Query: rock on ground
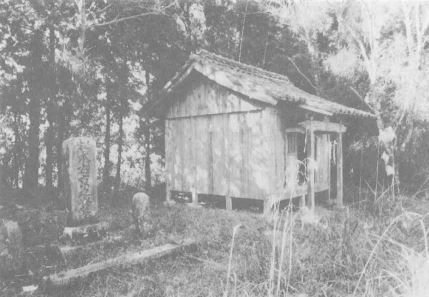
[39, 226]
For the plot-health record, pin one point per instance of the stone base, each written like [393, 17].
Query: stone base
[40, 227]
[193, 205]
[341, 208]
[169, 203]
[86, 233]
[69, 277]
[83, 222]
[42, 259]
[70, 251]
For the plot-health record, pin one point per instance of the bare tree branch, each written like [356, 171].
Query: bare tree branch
[104, 9]
[367, 60]
[242, 32]
[406, 11]
[361, 98]
[302, 74]
[119, 20]
[158, 11]
[357, 93]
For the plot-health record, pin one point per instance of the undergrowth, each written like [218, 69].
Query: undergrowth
[345, 252]
[350, 252]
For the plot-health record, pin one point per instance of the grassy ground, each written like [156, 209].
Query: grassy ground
[201, 273]
[375, 248]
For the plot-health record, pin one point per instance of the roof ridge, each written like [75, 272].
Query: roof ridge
[202, 53]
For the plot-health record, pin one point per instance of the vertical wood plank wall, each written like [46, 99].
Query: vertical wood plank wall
[222, 154]
[219, 143]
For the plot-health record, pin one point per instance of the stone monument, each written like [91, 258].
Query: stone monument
[80, 179]
[140, 209]
[11, 248]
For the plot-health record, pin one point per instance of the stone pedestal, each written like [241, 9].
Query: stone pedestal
[80, 179]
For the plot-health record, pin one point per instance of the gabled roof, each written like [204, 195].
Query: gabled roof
[257, 84]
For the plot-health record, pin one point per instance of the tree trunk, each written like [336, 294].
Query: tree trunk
[49, 155]
[50, 134]
[118, 164]
[147, 138]
[123, 79]
[16, 150]
[31, 174]
[61, 133]
[147, 157]
[106, 168]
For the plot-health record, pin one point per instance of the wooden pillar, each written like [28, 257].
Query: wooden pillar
[340, 170]
[228, 201]
[267, 207]
[167, 192]
[193, 140]
[310, 170]
[168, 161]
[194, 196]
[328, 156]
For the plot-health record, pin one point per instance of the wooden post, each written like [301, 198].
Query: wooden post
[167, 162]
[340, 170]
[328, 156]
[310, 170]
[267, 207]
[194, 161]
[228, 201]
[167, 191]
[194, 196]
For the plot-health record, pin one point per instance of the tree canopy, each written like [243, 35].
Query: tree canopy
[90, 67]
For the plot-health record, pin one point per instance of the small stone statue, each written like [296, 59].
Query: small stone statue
[11, 247]
[140, 206]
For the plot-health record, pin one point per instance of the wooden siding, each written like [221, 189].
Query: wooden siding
[219, 143]
[202, 96]
[223, 154]
[274, 127]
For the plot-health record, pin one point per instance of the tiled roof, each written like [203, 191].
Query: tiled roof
[258, 84]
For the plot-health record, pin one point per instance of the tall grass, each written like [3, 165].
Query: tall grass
[349, 255]
[378, 250]
[283, 221]
[394, 268]
[231, 250]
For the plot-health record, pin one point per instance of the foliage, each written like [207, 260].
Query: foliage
[92, 67]
[339, 253]
[382, 43]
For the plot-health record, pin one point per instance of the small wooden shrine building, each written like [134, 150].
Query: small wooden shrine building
[239, 132]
